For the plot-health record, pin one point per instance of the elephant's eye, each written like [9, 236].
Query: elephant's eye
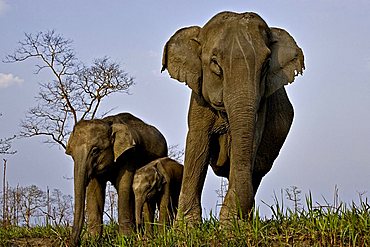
[95, 150]
[215, 67]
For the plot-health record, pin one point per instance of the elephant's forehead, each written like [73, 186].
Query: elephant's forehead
[221, 30]
[92, 132]
[227, 18]
[144, 174]
[93, 129]
[142, 180]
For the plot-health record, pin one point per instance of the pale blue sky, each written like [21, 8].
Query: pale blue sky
[329, 143]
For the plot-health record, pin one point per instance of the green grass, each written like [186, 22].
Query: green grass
[330, 225]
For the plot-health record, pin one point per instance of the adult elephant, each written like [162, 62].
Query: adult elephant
[239, 113]
[109, 149]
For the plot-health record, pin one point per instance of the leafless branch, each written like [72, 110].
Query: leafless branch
[176, 153]
[74, 92]
[6, 144]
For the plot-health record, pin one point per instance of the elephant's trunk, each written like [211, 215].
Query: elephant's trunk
[242, 96]
[80, 183]
[240, 196]
[139, 204]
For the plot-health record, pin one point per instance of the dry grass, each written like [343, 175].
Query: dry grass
[307, 225]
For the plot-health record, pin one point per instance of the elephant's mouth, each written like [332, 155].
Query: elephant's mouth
[102, 165]
[100, 169]
[89, 174]
[219, 106]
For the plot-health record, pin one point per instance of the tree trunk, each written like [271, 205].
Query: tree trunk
[4, 196]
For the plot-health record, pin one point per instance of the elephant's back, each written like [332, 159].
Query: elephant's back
[125, 118]
[132, 121]
[148, 137]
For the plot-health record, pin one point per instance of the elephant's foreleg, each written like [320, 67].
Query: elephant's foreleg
[279, 118]
[195, 170]
[200, 120]
[95, 198]
[165, 205]
[126, 202]
[148, 213]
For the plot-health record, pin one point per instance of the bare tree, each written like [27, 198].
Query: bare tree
[5, 149]
[61, 208]
[48, 206]
[5, 216]
[76, 90]
[293, 194]
[176, 153]
[6, 144]
[32, 201]
[111, 205]
[11, 206]
[31, 205]
[15, 205]
[221, 192]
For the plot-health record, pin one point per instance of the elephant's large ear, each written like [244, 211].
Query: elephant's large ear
[123, 139]
[159, 179]
[160, 166]
[287, 61]
[181, 57]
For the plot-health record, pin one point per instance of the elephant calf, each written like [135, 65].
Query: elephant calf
[157, 184]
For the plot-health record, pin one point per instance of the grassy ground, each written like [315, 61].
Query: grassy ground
[339, 225]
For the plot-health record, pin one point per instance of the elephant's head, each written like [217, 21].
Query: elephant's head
[233, 54]
[233, 62]
[148, 181]
[94, 145]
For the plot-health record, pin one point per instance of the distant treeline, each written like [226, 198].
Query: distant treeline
[29, 206]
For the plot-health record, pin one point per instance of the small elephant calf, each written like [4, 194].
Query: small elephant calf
[157, 184]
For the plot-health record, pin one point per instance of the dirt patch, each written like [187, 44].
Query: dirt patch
[32, 242]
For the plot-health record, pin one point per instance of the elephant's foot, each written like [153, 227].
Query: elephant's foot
[234, 209]
[182, 225]
[227, 216]
[189, 210]
[188, 219]
[126, 228]
[95, 230]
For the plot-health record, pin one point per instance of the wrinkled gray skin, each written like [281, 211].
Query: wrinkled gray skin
[239, 113]
[109, 149]
[157, 184]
